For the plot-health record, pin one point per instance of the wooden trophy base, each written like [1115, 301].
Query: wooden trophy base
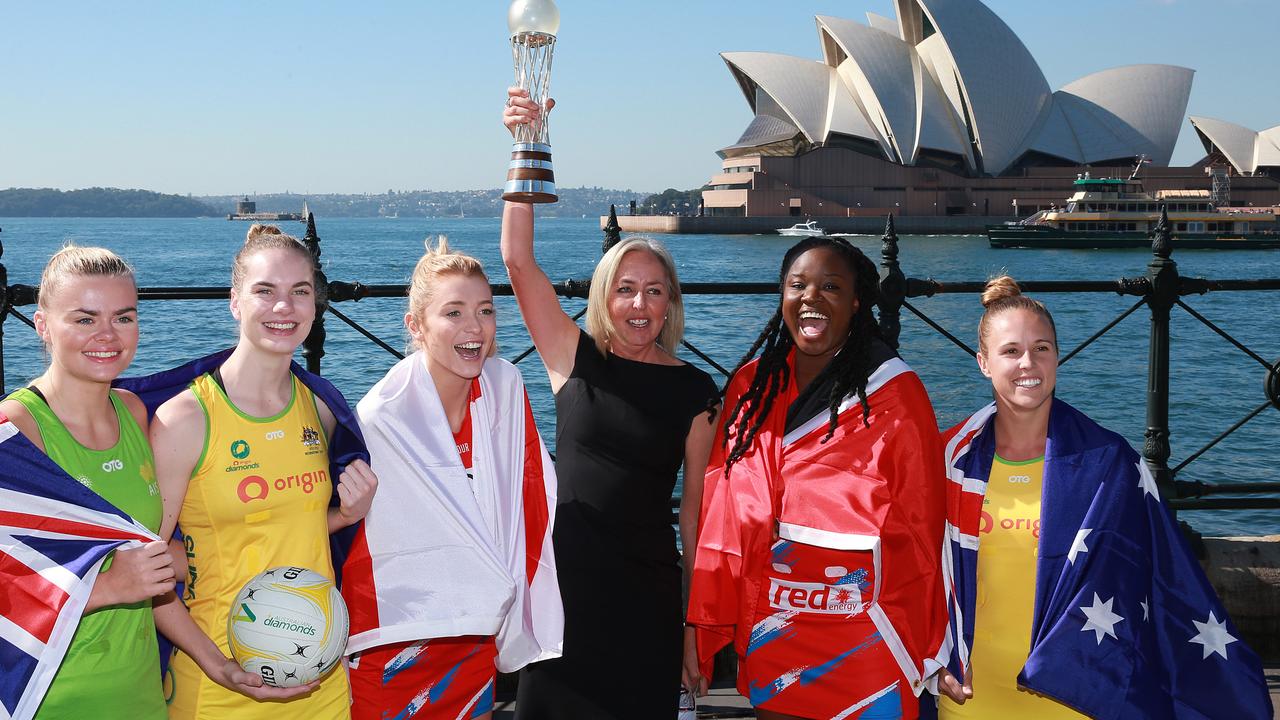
[530, 176]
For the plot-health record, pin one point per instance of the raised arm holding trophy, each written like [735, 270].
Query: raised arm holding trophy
[533, 25]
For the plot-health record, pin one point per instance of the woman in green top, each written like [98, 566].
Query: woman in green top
[88, 320]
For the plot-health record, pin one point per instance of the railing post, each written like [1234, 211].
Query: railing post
[1163, 276]
[893, 286]
[313, 346]
[4, 314]
[612, 231]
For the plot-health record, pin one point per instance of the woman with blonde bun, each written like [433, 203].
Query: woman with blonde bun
[87, 317]
[251, 415]
[1081, 562]
[452, 577]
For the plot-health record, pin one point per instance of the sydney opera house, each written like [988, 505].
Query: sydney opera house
[944, 111]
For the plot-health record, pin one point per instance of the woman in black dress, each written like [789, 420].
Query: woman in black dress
[628, 415]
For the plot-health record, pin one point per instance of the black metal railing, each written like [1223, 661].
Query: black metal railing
[1161, 289]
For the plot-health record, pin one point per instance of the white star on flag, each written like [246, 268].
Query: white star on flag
[1100, 619]
[1078, 545]
[1145, 609]
[1213, 636]
[1147, 481]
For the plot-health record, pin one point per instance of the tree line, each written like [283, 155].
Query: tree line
[98, 202]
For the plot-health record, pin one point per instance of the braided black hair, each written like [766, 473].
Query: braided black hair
[849, 369]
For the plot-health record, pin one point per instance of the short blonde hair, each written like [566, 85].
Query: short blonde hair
[1003, 294]
[600, 325]
[74, 261]
[269, 237]
[440, 260]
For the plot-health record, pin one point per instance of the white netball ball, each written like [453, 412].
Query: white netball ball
[288, 624]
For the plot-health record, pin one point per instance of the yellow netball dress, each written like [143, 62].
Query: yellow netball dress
[1006, 599]
[258, 499]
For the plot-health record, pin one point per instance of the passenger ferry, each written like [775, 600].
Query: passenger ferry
[1116, 213]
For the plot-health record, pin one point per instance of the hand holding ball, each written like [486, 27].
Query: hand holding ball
[289, 625]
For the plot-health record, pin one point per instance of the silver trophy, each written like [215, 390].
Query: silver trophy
[533, 25]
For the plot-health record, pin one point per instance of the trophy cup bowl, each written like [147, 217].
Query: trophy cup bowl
[533, 25]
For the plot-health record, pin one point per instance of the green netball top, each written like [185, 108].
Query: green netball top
[112, 668]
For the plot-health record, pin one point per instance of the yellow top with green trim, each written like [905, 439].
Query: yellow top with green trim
[1010, 538]
[258, 498]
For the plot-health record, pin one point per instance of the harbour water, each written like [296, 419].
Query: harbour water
[1213, 383]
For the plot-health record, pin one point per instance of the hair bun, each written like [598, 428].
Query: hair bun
[439, 247]
[258, 230]
[1000, 288]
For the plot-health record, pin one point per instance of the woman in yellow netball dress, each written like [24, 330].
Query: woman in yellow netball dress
[243, 465]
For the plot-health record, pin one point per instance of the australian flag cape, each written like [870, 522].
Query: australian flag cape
[1126, 624]
[55, 534]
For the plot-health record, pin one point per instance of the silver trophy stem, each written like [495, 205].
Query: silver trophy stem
[530, 176]
[531, 55]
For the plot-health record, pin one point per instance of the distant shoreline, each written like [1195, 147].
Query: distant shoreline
[114, 202]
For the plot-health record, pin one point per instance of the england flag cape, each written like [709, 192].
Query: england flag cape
[876, 489]
[1125, 625]
[440, 555]
[54, 536]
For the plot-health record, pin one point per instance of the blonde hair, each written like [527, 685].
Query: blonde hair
[268, 237]
[74, 261]
[435, 263]
[1002, 294]
[599, 323]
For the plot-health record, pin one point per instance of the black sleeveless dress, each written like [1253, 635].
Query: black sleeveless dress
[620, 434]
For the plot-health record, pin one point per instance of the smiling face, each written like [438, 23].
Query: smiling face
[275, 301]
[819, 301]
[90, 325]
[456, 327]
[638, 300]
[1021, 358]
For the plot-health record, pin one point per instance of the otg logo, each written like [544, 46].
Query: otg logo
[275, 435]
[239, 449]
[113, 465]
[252, 481]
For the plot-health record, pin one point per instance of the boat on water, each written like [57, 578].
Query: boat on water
[1117, 213]
[247, 209]
[805, 229]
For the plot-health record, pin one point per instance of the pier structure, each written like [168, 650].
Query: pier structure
[1244, 571]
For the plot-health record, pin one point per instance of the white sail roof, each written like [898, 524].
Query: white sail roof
[950, 76]
[1237, 144]
[1056, 137]
[1005, 91]
[1245, 149]
[800, 87]
[879, 68]
[1268, 149]
[883, 24]
[1143, 105]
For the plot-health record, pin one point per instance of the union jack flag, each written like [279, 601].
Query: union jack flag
[1126, 625]
[54, 535]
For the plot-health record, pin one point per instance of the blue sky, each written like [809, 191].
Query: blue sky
[230, 97]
